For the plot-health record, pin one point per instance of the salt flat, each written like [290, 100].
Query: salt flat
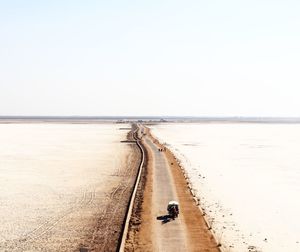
[247, 178]
[56, 180]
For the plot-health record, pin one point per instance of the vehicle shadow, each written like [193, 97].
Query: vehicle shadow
[164, 218]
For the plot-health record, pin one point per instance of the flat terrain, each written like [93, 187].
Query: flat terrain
[64, 186]
[238, 171]
[151, 229]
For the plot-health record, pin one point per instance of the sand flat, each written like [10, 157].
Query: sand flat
[246, 177]
[56, 180]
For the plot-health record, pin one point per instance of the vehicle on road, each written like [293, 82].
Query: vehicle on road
[173, 209]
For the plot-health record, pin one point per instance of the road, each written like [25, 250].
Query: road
[164, 181]
[163, 192]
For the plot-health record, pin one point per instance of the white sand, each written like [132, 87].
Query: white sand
[54, 179]
[247, 176]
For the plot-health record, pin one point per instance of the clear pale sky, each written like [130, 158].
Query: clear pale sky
[196, 58]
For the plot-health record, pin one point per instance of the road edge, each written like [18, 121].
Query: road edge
[124, 233]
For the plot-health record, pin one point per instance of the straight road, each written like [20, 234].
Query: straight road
[163, 181]
[169, 236]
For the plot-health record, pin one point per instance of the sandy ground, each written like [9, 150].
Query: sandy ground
[246, 175]
[164, 181]
[64, 187]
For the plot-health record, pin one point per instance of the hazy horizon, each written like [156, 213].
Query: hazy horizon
[146, 119]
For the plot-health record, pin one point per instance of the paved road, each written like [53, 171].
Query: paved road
[170, 236]
[165, 182]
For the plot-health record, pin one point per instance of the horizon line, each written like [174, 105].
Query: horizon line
[145, 117]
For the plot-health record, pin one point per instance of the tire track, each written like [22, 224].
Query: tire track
[110, 222]
[87, 198]
[113, 208]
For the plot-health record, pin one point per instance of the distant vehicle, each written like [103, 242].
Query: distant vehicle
[173, 209]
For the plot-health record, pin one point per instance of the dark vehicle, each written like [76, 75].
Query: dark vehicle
[173, 209]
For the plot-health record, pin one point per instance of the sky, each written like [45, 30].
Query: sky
[156, 58]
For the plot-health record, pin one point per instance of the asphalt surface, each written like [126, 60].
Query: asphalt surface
[169, 234]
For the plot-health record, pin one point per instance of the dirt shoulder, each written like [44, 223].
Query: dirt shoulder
[142, 230]
[200, 237]
[108, 228]
[139, 236]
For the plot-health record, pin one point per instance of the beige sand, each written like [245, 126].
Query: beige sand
[64, 186]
